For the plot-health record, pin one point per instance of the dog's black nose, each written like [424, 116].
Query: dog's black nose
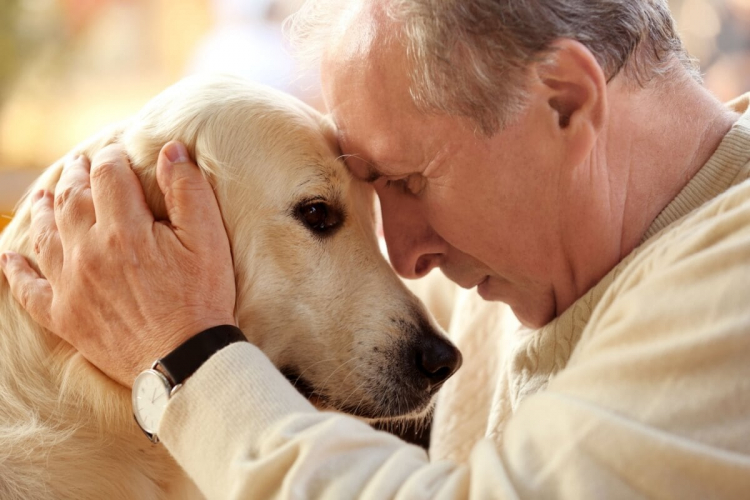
[437, 359]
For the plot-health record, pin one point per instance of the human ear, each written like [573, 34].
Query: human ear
[575, 85]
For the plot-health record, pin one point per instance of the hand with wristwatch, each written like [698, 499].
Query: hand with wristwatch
[149, 313]
[153, 388]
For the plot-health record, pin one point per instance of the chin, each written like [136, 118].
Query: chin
[533, 318]
[531, 312]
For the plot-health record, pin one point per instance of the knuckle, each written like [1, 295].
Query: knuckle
[41, 241]
[117, 239]
[84, 265]
[66, 198]
[191, 184]
[103, 169]
[48, 255]
[76, 260]
[24, 296]
[112, 240]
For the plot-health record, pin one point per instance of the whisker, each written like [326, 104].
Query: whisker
[352, 392]
[310, 366]
[338, 368]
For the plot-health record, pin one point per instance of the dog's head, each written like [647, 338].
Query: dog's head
[313, 290]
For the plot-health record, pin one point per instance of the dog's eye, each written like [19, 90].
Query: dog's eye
[319, 217]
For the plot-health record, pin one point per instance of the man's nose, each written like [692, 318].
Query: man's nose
[414, 248]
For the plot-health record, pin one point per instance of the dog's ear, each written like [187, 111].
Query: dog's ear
[145, 169]
[143, 152]
[143, 141]
[143, 156]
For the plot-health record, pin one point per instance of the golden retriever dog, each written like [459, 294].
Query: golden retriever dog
[313, 291]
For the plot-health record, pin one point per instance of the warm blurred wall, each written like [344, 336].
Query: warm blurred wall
[717, 33]
[78, 65]
[69, 67]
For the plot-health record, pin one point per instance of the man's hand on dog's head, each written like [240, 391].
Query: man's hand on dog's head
[119, 286]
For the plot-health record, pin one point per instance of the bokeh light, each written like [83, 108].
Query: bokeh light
[70, 67]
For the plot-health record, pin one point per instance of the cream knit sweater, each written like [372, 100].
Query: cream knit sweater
[640, 389]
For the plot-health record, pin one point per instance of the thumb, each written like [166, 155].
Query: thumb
[33, 292]
[191, 204]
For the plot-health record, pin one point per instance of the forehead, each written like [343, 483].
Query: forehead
[366, 64]
[372, 109]
[357, 31]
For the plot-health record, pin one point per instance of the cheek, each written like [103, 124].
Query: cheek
[501, 228]
[456, 213]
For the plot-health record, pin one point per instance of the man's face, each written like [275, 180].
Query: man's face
[485, 210]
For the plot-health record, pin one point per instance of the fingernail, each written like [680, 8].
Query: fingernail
[176, 152]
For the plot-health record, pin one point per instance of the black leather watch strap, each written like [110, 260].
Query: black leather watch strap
[187, 358]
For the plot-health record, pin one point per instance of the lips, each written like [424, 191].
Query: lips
[468, 285]
[483, 289]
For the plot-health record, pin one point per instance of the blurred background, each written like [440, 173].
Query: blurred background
[69, 67]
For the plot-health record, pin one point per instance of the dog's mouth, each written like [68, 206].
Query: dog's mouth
[323, 401]
[388, 413]
[305, 388]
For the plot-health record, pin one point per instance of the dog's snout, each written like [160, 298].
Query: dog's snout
[437, 359]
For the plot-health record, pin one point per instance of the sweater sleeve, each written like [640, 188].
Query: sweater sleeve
[241, 431]
[654, 402]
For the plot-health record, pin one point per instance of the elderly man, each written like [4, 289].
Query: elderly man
[559, 155]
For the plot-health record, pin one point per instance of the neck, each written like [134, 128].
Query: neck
[667, 135]
[654, 142]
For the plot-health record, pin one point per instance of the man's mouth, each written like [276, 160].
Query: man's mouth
[470, 285]
[483, 288]
[484, 280]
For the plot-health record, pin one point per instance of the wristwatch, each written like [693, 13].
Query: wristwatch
[153, 388]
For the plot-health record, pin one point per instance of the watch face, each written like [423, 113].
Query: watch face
[150, 395]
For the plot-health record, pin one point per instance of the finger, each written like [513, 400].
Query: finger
[33, 292]
[190, 200]
[74, 210]
[44, 234]
[117, 192]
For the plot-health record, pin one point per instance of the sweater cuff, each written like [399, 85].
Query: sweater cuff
[233, 398]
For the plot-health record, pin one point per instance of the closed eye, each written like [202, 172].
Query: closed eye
[412, 184]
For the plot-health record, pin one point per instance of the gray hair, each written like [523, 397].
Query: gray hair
[469, 57]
